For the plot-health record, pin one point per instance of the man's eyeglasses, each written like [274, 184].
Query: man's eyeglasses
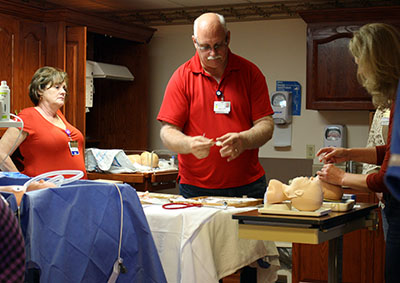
[208, 48]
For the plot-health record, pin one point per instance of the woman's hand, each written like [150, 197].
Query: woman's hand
[331, 174]
[333, 154]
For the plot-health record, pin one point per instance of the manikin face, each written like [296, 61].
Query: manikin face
[305, 193]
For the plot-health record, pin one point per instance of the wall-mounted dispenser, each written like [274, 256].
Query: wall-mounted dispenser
[282, 105]
[335, 135]
[281, 102]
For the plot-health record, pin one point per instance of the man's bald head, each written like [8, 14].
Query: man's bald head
[209, 22]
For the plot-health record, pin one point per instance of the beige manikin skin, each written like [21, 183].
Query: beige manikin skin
[306, 194]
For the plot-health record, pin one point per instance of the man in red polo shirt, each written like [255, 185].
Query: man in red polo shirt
[216, 113]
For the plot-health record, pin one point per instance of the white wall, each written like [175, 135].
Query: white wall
[278, 48]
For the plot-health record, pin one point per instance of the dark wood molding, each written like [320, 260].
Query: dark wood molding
[100, 25]
[21, 10]
[94, 23]
[353, 15]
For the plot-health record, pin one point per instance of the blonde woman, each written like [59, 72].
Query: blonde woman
[376, 50]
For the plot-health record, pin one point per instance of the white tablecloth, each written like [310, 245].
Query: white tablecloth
[202, 244]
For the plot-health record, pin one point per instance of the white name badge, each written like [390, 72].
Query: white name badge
[385, 121]
[222, 107]
[73, 147]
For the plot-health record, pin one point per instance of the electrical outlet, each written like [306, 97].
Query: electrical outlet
[310, 151]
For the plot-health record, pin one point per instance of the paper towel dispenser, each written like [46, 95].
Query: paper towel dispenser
[108, 71]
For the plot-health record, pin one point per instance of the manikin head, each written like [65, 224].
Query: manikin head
[305, 193]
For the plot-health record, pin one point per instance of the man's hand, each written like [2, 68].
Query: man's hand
[200, 146]
[231, 144]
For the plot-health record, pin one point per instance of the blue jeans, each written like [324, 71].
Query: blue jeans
[392, 253]
[253, 190]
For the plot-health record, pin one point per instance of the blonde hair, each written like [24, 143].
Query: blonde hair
[376, 48]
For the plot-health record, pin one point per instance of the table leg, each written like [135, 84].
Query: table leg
[335, 263]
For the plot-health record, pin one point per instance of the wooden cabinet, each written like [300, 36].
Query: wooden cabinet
[118, 118]
[331, 71]
[75, 67]
[8, 34]
[21, 53]
[31, 37]
[363, 255]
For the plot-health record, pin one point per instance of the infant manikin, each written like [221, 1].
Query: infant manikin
[38, 182]
[305, 194]
[19, 191]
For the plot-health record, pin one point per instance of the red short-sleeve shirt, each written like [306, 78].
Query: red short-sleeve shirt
[189, 104]
[46, 147]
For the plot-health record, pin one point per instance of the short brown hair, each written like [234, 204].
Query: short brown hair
[44, 78]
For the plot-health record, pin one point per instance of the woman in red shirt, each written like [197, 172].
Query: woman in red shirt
[47, 141]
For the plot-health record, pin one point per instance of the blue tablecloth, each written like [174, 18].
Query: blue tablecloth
[72, 233]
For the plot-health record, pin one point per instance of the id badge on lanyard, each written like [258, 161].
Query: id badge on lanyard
[73, 145]
[221, 107]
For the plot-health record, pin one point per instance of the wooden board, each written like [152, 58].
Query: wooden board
[294, 212]
[156, 198]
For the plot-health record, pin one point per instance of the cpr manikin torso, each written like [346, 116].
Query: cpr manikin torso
[305, 193]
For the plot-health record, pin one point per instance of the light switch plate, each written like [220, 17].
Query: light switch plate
[310, 151]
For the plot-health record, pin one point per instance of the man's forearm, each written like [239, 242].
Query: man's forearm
[174, 139]
[259, 134]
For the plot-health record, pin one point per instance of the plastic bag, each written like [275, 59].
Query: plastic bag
[108, 160]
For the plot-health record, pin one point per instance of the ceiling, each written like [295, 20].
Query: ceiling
[167, 12]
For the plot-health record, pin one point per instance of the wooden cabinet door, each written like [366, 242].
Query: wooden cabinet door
[21, 49]
[8, 51]
[74, 108]
[31, 57]
[331, 71]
